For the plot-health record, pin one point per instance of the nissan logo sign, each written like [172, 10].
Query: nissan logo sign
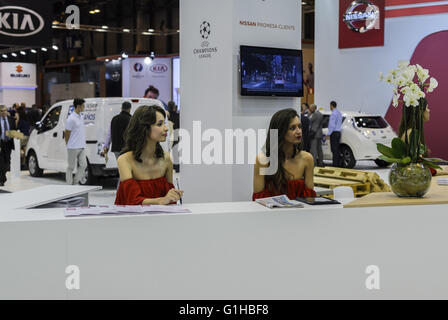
[362, 16]
[19, 21]
[159, 68]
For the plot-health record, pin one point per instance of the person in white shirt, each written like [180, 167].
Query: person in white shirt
[75, 138]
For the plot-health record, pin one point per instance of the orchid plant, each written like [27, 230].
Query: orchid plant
[411, 84]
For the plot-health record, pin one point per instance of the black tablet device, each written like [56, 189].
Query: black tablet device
[317, 200]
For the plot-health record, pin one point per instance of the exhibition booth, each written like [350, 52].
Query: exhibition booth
[225, 246]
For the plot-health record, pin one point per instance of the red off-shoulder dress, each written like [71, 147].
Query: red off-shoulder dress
[133, 192]
[296, 189]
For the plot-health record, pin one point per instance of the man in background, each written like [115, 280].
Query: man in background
[75, 138]
[153, 93]
[305, 127]
[334, 133]
[316, 119]
[118, 126]
[6, 143]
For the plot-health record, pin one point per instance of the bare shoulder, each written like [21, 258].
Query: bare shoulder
[125, 158]
[167, 159]
[262, 160]
[306, 156]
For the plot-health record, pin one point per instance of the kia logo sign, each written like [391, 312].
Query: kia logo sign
[19, 21]
[138, 67]
[159, 68]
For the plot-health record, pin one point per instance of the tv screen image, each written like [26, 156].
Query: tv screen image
[271, 72]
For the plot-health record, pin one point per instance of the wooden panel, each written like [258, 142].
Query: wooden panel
[436, 195]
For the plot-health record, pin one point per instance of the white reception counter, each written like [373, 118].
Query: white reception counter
[227, 251]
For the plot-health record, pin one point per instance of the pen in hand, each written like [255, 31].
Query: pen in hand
[177, 182]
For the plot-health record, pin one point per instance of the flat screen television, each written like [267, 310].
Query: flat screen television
[271, 72]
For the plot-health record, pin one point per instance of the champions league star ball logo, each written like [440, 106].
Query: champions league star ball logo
[205, 30]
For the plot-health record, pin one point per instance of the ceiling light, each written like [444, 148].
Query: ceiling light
[5, 56]
[14, 54]
[105, 27]
[126, 30]
[151, 30]
[100, 30]
[119, 58]
[147, 60]
[33, 51]
[23, 53]
[107, 60]
[178, 30]
[124, 55]
[92, 12]
[55, 47]
[97, 10]
[146, 33]
[44, 49]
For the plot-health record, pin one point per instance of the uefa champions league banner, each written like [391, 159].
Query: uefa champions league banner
[138, 75]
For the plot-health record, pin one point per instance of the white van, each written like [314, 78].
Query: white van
[359, 136]
[46, 148]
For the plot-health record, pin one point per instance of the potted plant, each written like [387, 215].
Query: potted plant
[410, 175]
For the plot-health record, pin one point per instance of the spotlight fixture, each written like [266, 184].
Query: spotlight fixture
[23, 53]
[14, 54]
[44, 49]
[55, 47]
[152, 55]
[151, 30]
[33, 51]
[147, 60]
[107, 60]
[124, 55]
[92, 11]
[126, 30]
[105, 27]
[5, 56]
[97, 10]
[119, 58]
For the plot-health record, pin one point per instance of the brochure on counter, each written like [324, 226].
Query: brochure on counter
[117, 209]
[279, 202]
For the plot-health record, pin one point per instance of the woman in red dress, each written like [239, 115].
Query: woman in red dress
[292, 168]
[146, 171]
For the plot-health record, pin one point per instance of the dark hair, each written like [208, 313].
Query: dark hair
[139, 128]
[334, 104]
[172, 106]
[77, 102]
[126, 105]
[153, 90]
[278, 182]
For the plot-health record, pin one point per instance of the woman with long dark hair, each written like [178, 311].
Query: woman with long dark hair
[146, 171]
[295, 167]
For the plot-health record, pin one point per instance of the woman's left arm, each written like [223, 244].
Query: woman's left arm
[169, 168]
[309, 171]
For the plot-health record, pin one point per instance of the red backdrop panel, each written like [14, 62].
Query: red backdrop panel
[431, 54]
[352, 39]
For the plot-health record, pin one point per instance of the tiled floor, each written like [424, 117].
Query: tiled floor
[106, 196]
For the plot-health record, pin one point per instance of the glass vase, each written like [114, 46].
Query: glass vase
[412, 180]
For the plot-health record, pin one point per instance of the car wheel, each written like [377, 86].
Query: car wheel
[347, 158]
[381, 163]
[33, 165]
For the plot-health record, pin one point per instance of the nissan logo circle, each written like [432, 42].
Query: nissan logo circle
[19, 21]
[362, 16]
[159, 68]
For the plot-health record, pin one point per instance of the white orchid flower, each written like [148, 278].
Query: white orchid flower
[432, 84]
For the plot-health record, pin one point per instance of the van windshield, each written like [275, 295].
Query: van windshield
[371, 122]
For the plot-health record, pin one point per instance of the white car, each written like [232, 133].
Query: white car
[359, 135]
[46, 148]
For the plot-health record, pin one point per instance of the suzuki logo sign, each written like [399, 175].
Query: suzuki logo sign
[19, 21]
[159, 68]
[19, 68]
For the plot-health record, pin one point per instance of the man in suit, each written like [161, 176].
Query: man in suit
[316, 119]
[6, 143]
[305, 127]
[118, 126]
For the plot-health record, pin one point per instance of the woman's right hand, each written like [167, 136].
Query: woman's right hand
[172, 196]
